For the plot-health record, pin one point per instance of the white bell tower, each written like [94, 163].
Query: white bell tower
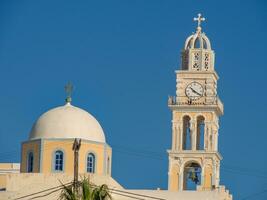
[194, 160]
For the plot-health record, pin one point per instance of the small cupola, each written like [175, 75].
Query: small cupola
[197, 54]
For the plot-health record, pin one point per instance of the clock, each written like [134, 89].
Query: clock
[194, 91]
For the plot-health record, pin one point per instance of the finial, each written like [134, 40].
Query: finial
[199, 19]
[68, 89]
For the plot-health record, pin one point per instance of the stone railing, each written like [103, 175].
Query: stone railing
[205, 100]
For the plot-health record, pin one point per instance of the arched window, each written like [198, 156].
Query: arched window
[197, 44]
[192, 176]
[59, 161]
[30, 162]
[186, 134]
[91, 163]
[200, 132]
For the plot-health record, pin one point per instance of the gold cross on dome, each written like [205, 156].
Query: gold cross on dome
[199, 19]
[69, 90]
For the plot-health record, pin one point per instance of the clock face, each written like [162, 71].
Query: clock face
[194, 91]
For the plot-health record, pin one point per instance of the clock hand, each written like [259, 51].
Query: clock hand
[195, 91]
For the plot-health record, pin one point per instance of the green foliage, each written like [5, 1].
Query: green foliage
[86, 191]
[101, 193]
[68, 193]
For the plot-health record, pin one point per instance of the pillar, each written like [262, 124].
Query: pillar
[174, 136]
[215, 139]
[193, 133]
[181, 132]
[217, 183]
[181, 179]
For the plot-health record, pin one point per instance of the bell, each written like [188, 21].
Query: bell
[196, 180]
[193, 176]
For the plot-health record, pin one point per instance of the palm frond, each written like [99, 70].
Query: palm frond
[67, 193]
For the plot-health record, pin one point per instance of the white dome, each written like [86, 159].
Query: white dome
[67, 122]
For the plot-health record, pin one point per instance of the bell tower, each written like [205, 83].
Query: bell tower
[194, 160]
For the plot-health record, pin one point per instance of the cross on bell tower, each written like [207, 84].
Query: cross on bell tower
[199, 19]
[194, 160]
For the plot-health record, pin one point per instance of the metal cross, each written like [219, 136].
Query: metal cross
[69, 89]
[199, 19]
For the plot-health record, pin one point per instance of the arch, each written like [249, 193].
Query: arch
[192, 175]
[58, 161]
[197, 40]
[90, 163]
[200, 132]
[188, 42]
[30, 161]
[187, 143]
[206, 41]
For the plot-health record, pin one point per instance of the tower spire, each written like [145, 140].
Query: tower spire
[199, 19]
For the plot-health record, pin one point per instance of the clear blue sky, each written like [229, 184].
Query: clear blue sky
[121, 56]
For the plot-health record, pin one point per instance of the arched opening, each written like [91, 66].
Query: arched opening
[187, 144]
[90, 163]
[200, 132]
[192, 176]
[59, 161]
[197, 44]
[188, 43]
[30, 163]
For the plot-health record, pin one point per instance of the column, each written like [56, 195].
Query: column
[213, 182]
[215, 139]
[177, 136]
[203, 174]
[207, 144]
[193, 133]
[174, 136]
[169, 173]
[181, 136]
[181, 179]
[217, 174]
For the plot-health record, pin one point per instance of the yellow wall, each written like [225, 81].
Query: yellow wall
[98, 150]
[49, 146]
[3, 181]
[174, 179]
[30, 146]
[48, 149]
[109, 154]
[208, 177]
[6, 166]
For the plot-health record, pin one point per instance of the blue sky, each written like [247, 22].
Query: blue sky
[121, 57]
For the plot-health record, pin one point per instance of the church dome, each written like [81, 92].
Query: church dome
[67, 122]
